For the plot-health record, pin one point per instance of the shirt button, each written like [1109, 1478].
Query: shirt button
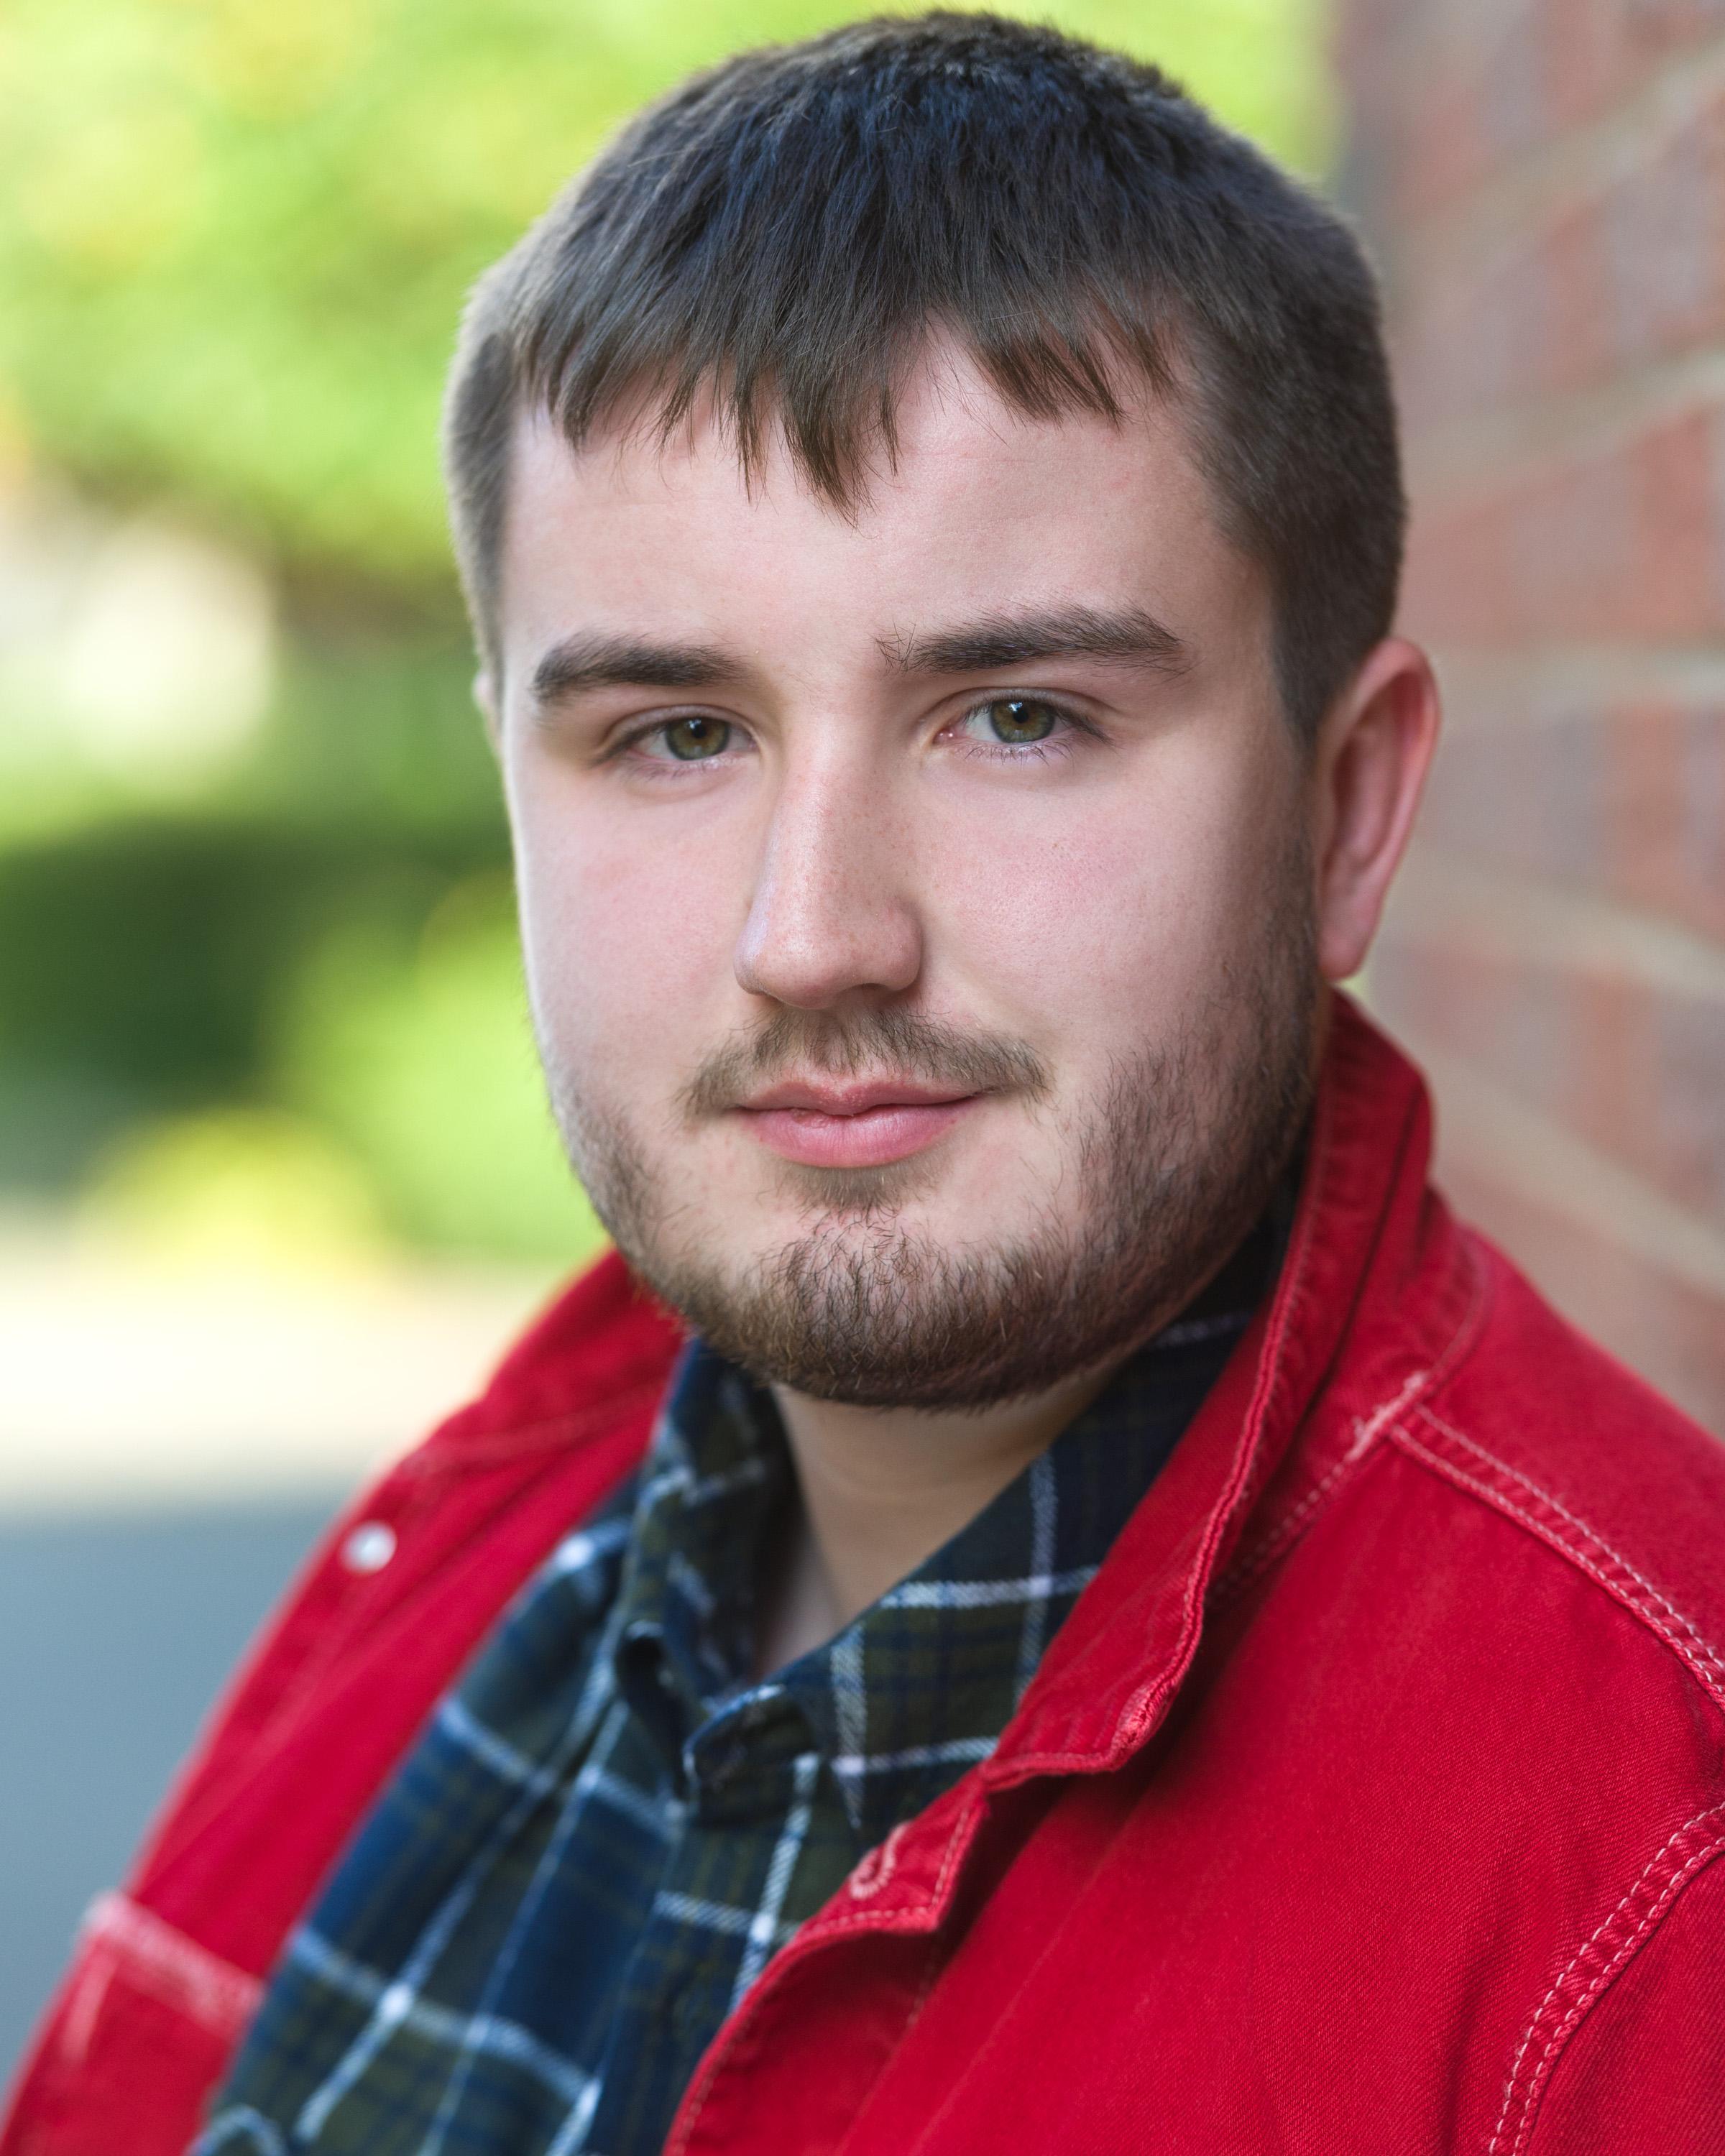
[369, 1547]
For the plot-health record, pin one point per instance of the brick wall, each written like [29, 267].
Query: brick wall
[1544, 184]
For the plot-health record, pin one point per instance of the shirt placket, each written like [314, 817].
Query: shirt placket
[750, 1776]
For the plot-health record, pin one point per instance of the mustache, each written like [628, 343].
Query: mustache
[896, 1043]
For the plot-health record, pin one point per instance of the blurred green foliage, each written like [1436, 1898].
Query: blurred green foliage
[241, 229]
[237, 238]
[421, 1059]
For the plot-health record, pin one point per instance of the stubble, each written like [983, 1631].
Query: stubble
[1170, 1167]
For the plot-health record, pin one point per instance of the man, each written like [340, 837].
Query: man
[1122, 1627]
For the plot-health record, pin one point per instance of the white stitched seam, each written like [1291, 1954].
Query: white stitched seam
[216, 1991]
[1582, 1951]
[875, 1867]
[1367, 1430]
[1708, 1654]
[1584, 1560]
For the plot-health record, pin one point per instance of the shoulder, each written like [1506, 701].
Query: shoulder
[1573, 1523]
[1616, 1486]
[412, 1575]
[1492, 1639]
[469, 1512]
[367, 1642]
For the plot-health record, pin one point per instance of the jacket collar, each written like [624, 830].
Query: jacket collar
[1375, 1284]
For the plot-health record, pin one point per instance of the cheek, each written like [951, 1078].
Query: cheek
[629, 944]
[1110, 928]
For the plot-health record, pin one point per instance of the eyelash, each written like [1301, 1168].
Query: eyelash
[1060, 746]
[1056, 747]
[625, 750]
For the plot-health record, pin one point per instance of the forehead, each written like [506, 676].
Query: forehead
[981, 509]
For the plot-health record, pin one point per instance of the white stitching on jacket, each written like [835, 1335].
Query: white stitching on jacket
[211, 1990]
[1565, 2028]
[1703, 1650]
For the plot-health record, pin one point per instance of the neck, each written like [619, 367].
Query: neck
[881, 1489]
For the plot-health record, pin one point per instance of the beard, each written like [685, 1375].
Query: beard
[1171, 1167]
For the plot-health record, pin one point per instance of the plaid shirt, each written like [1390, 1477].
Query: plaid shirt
[607, 1828]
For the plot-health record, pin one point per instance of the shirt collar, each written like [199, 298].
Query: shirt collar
[919, 1684]
[716, 1472]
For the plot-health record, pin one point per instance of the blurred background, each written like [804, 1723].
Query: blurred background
[276, 1176]
[276, 1179]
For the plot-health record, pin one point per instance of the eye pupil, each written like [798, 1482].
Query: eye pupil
[1021, 719]
[691, 739]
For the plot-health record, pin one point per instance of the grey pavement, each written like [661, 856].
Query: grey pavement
[116, 1633]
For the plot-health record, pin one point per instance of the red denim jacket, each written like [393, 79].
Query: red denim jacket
[1367, 1801]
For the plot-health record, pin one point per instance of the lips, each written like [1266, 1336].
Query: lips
[839, 1100]
[855, 1126]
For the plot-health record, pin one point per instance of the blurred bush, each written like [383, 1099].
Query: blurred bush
[257, 968]
[250, 1186]
[422, 1058]
[242, 228]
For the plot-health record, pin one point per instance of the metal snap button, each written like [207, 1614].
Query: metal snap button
[369, 1547]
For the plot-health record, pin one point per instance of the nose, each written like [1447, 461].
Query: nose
[831, 914]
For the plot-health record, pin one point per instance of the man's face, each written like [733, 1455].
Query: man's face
[916, 906]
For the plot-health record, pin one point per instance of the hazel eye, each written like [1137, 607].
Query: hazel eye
[694, 739]
[1013, 721]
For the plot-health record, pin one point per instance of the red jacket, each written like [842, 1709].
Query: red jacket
[1367, 1801]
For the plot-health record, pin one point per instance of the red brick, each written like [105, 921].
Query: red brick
[1631, 1069]
[1654, 31]
[1576, 349]
[1448, 147]
[1415, 88]
[1662, 225]
[1603, 285]
[1662, 1326]
[1626, 799]
[1566, 506]
[1621, 543]
[1664, 785]
[1585, 61]
[1465, 104]
[1526, 795]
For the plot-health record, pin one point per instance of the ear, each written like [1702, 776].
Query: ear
[1373, 751]
[485, 694]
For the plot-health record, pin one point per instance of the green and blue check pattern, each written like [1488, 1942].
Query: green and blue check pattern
[608, 1829]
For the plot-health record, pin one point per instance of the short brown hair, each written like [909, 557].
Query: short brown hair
[784, 232]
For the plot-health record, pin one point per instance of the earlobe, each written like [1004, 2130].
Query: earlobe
[1373, 754]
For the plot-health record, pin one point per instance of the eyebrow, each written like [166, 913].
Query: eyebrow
[594, 660]
[1131, 636]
